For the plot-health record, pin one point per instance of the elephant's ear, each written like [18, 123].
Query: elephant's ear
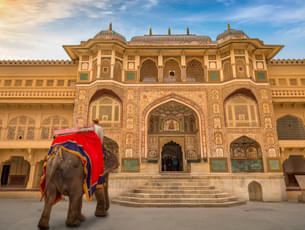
[110, 161]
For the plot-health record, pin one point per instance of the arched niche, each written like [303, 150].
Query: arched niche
[194, 71]
[171, 71]
[241, 109]
[255, 191]
[107, 107]
[15, 172]
[149, 71]
[246, 155]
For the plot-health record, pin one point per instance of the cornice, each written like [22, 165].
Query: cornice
[37, 62]
[287, 62]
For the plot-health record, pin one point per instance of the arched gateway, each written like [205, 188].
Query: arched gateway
[173, 135]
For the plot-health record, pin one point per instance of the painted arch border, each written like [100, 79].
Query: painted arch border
[182, 100]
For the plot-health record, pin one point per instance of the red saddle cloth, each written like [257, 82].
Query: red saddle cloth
[87, 146]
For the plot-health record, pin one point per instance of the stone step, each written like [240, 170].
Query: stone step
[177, 200]
[177, 205]
[185, 188]
[186, 195]
[174, 191]
[176, 184]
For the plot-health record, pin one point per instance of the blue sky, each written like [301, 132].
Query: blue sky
[37, 29]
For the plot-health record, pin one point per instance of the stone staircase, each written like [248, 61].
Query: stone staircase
[176, 192]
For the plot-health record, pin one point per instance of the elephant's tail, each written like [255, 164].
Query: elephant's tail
[58, 156]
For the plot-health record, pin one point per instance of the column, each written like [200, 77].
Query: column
[247, 64]
[90, 68]
[233, 63]
[99, 62]
[112, 63]
[137, 67]
[125, 66]
[31, 177]
[160, 68]
[183, 68]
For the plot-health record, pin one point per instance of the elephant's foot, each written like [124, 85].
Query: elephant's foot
[82, 218]
[73, 222]
[100, 213]
[43, 223]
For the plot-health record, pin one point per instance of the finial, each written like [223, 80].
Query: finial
[188, 31]
[169, 31]
[150, 31]
[110, 26]
[229, 27]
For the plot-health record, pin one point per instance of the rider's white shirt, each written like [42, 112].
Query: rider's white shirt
[99, 132]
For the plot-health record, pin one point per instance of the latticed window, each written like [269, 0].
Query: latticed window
[50, 124]
[107, 110]
[21, 128]
[241, 111]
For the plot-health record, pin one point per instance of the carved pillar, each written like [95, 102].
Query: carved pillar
[233, 63]
[125, 66]
[99, 57]
[183, 68]
[247, 64]
[137, 67]
[112, 64]
[160, 68]
[90, 68]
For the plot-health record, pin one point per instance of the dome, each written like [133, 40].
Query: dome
[110, 35]
[231, 33]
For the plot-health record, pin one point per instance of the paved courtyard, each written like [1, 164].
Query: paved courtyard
[24, 214]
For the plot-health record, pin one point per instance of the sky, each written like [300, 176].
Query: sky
[37, 29]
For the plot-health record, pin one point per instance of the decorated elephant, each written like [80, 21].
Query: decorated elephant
[66, 173]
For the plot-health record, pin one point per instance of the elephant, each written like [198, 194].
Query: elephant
[65, 175]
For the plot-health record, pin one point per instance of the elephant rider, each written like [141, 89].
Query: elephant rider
[98, 129]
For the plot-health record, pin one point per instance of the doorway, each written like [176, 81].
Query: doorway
[172, 159]
[5, 174]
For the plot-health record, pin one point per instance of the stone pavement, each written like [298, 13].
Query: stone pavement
[24, 214]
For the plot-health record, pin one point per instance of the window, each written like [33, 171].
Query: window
[107, 110]
[39, 82]
[71, 82]
[303, 81]
[18, 82]
[50, 124]
[293, 81]
[272, 81]
[105, 69]
[21, 128]
[282, 81]
[60, 82]
[7, 82]
[28, 82]
[241, 111]
[50, 82]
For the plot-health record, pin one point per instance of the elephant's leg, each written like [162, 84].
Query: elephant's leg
[100, 202]
[50, 198]
[73, 219]
[81, 217]
[106, 192]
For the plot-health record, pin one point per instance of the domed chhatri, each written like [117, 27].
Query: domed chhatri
[232, 33]
[110, 35]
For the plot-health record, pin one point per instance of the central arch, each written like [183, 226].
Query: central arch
[173, 122]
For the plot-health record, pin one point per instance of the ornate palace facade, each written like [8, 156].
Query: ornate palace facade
[222, 108]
